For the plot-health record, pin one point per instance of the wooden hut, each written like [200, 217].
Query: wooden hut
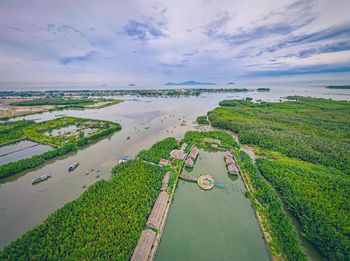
[158, 210]
[229, 161]
[164, 162]
[228, 154]
[233, 169]
[189, 162]
[166, 177]
[177, 154]
[144, 246]
[193, 153]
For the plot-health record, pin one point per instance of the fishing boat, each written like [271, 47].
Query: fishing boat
[73, 166]
[124, 159]
[40, 179]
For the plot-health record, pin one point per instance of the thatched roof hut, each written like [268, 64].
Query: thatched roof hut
[228, 154]
[189, 162]
[158, 210]
[166, 177]
[233, 169]
[229, 161]
[144, 246]
[164, 162]
[193, 153]
[177, 154]
[183, 146]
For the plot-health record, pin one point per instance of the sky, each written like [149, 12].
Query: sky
[153, 42]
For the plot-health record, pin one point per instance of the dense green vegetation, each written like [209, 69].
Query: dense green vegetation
[62, 144]
[202, 120]
[318, 196]
[263, 89]
[12, 131]
[266, 201]
[313, 175]
[159, 150]
[339, 87]
[197, 138]
[52, 101]
[103, 224]
[314, 130]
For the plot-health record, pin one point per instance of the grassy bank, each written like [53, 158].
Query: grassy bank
[312, 137]
[62, 144]
[104, 223]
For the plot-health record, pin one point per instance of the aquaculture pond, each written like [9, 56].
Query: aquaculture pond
[211, 225]
[21, 150]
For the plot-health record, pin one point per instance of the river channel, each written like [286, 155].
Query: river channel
[144, 120]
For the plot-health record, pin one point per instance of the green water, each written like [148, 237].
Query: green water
[211, 225]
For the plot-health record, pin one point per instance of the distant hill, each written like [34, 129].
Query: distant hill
[132, 85]
[230, 83]
[190, 83]
[338, 87]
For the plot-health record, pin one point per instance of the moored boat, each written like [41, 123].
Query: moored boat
[73, 166]
[40, 179]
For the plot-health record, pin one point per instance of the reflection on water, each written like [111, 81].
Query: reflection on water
[21, 150]
[144, 120]
[211, 225]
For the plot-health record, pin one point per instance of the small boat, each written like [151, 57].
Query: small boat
[124, 159]
[40, 179]
[83, 186]
[128, 138]
[73, 166]
[97, 176]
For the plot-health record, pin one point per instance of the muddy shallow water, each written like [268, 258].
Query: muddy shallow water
[144, 120]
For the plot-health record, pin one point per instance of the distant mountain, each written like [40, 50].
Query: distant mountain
[132, 85]
[190, 83]
[230, 83]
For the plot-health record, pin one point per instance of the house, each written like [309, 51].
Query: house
[211, 140]
[229, 161]
[166, 177]
[144, 245]
[177, 154]
[193, 153]
[183, 146]
[189, 162]
[164, 162]
[233, 169]
[228, 154]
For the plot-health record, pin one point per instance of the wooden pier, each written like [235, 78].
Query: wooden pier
[188, 178]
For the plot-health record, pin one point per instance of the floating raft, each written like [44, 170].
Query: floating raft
[206, 182]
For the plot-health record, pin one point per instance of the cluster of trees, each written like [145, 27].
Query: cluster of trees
[12, 131]
[12, 168]
[159, 150]
[202, 120]
[314, 136]
[285, 238]
[52, 101]
[314, 130]
[103, 224]
[197, 137]
[62, 145]
[319, 197]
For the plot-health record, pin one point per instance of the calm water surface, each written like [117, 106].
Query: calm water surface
[145, 120]
[211, 225]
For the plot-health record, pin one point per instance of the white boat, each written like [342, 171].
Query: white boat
[73, 166]
[124, 159]
[41, 178]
